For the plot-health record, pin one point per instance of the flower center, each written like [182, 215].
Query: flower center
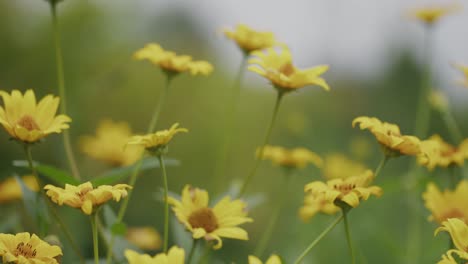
[28, 122]
[287, 69]
[344, 188]
[25, 250]
[453, 213]
[83, 192]
[204, 218]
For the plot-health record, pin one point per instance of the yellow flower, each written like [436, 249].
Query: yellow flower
[250, 40]
[24, 248]
[28, 121]
[458, 231]
[350, 190]
[170, 62]
[447, 204]
[85, 196]
[157, 140]
[432, 14]
[437, 152]
[175, 255]
[339, 166]
[108, 144]
[314, 204]
[290, 158]
[389, 136]
[10, 189]
[274, 259]
[146, 238]
[464, 70]
[279, 69]
[210, 223]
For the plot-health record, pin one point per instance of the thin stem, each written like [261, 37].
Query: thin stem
[348, 237]
[160, 104]
[317, 240]
[166, 203]
[205, 257]
[61, 87]
[93, 219]
[452, 126]
[382, 164]
[192, 250]
[262, 147]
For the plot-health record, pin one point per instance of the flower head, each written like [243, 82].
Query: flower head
[290, 158]
[279, 69]
[458, 231]
[85, 196]
[249, 39]
[350, 190]
[430, 15]
[28, 121]
[108, 144]
[437, 152]
[273, 259]
[24, 248]
[10, 189]
[389, 136]
[447, 204]
[146, 238]
[175, 255]
[314, 204]
[158, 140]
[170, 62]
[339, 166]
[222, 220]
[464, 70]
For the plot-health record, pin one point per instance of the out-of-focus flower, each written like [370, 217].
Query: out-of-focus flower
[339, 166]
[249, 39]
[273, 259]
[24, 248]
[108, 144]
[10, 189]
[157, 141]
[85, 196]
[170, 62]
[437, 152]
[464, 70]
[314, 204]
[28, 121]
[279, 69]
[458, 231]
[430, 15]
[210, 223]
[290, 158]
[360, 147]
[146, 238]
[438, 101]
[447, 204]
[175, 255]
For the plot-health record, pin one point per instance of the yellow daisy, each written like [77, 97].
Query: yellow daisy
[146, 238]
[10, 189]
[439, 153]
[175, 255]
[85, 196]
[24, 248]
[108, 144]
[314, 204]
[430, 15]
[249, 39]
[28, 121]
[279, 69]
[210, 223]
[464, 70]
[290, 158]
[350, 190]
[158, 140]
[458, 231]
[273, 259]
[447, 204]
[339, 166]
[389, 136]
[170, 62]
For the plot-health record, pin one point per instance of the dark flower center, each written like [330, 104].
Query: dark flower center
[25, 250]
[344, 188]
[28, 122]
[204, 218]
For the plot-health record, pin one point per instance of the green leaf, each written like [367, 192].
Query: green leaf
[119, 229]
[119, 174]
[50, 172]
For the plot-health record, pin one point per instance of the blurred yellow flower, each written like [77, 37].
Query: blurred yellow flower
[146, 238]
[350, 190]
[175, 255]
[432, 14]
[249, 39]
[389, 136]
[290, 158]
[158, 140]
[10, 189]
[24, 248]
[210, 223]
[447, 204]
[108, 144]
[339, 166]
[464, 70]
[279, 69]
[273, 259]
[437, 152]
[360, 147]
[458, 231]
[28, 121]
[170, 62]
[314, 204]
[85, 196]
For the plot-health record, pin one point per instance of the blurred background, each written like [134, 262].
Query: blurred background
[374, 50]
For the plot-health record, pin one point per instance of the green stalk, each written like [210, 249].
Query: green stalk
[262, 147]
[93, 219]
[348, 237]
[317, 240]
[192, 250]
[382, 164]
[61, 88]
[452, 126]
[166, 204]
[205, 257]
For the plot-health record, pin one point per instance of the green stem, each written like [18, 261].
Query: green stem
[262, 147]
[348, 237]
[205, 257]
[61, 87]
[192, 250]
[166, 203]
[453, 179]
[160, 104]
[452, 126]
[93, 219]
[382, 164]
[317, 240]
